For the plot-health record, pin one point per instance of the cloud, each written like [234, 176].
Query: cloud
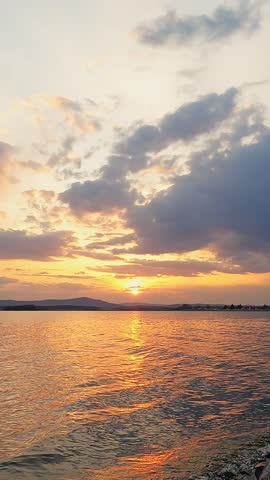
[218, 202]
[50, 275]
[224, 22]
[65, 161]
[62, 103]
[43, 209]
[76, 113]
[97, 255]
[198, 117]
[10, 166]
[133, 151]
[6, 156]
[7, 281]
[186, 123]
[190, 73]
[118, 240]
[174, 268]
[221, 204]
[62, 156]
[37, 291]
[18, 244]
[97, 196]
[64, 126]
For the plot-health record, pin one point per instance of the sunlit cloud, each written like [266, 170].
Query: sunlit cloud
[116, 180]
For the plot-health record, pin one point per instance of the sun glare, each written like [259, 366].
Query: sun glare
[135, 291]
[134, 287]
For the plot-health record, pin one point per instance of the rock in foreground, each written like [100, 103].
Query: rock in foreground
[239, 465]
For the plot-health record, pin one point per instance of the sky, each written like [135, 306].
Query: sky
[135, 150]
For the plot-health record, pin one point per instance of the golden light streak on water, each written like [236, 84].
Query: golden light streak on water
[128, 395]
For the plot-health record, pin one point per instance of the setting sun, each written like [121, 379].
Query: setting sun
[134, 287]
[135, 291]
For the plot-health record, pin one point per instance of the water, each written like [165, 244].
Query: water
[129, 395]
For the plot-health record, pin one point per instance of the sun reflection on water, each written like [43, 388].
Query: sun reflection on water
[129, 395]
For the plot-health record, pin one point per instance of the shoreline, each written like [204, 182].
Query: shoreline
[71, 308]
[237, 465]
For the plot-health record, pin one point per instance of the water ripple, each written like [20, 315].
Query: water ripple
[128, 396]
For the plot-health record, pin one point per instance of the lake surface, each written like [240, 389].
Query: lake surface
[128, 395]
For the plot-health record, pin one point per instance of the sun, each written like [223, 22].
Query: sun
[134, 287]
[135, 291]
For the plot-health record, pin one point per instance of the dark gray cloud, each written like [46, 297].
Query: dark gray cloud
[18, 244]
[118, 240]
[222, 24]
[186, 123]
[221, 204]
[97, 196]
[132, 152]
[198, 117]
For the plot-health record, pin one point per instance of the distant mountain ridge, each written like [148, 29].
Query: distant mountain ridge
[74, 302]
[85, 303]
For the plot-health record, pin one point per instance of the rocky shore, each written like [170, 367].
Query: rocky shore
[239, 465]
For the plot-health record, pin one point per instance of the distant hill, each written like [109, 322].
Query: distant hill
[85, 303]
[73, 302]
